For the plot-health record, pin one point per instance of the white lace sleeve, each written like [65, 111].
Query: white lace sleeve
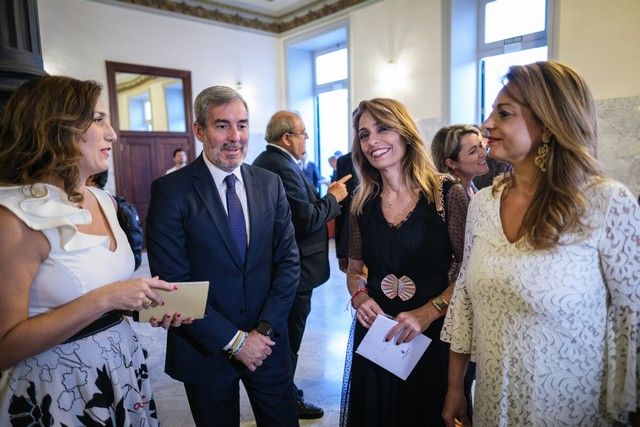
[458, 323]
[620, 261]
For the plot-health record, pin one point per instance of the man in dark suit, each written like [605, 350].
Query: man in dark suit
[227, 222]
[344, 168]
[286, 139]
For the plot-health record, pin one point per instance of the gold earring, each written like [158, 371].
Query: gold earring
[542, 155]
[545, 138]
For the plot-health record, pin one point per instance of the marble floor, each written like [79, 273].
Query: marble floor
[320, 362]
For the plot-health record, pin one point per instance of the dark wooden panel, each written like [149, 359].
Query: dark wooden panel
[149, 156]
[20, 53]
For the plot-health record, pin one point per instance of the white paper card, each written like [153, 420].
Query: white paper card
[397, 359]
[189, 300]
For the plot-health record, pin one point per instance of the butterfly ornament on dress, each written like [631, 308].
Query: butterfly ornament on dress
[393, 287]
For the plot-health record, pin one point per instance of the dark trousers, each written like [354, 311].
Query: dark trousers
[272, 401]
[270, 391]
[296, 323]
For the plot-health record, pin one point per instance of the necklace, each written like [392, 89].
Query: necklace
[387, 204]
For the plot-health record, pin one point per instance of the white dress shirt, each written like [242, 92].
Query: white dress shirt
[218, 177]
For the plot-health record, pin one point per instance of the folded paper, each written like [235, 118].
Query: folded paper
[397, 359]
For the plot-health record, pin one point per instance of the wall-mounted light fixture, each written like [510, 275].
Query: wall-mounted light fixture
[390, 73]
[392, 70]
[392, 76]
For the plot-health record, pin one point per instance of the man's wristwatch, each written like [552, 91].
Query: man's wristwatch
[439, 303]
[264, 328]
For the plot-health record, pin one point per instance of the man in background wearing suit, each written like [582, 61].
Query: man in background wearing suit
[344, 168]
[227, 222]
[286, 139]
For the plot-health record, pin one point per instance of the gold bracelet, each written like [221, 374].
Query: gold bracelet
[439, 303]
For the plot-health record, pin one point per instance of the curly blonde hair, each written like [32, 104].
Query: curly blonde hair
[561, 102]
[417, 165]
[41, 125]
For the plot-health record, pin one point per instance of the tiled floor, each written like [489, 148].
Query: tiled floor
[320, 364]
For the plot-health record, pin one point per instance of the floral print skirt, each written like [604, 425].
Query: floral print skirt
[99, 380]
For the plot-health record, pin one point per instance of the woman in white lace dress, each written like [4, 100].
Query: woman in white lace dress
[68, 356]
[548, 298]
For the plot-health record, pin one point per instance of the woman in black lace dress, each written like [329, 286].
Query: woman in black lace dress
[404, 252]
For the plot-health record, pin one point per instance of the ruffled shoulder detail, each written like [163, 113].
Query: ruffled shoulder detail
[43, 207]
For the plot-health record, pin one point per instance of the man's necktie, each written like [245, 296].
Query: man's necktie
[236, 216]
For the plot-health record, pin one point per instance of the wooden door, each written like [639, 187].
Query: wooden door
[142, 156]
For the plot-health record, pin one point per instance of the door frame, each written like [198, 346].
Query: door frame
[185, 76]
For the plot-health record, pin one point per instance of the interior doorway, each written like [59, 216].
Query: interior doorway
[151, 112]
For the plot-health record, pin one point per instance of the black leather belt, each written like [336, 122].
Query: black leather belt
[108, 320]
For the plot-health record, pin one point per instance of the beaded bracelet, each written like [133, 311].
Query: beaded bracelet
[358, 292]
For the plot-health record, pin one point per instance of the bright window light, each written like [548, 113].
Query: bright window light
[510, 18]
[495, 67]
[331, 66]
[333, 114]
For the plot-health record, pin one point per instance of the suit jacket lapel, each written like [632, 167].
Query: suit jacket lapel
[311, 191]
[255, 206]
[206, 188]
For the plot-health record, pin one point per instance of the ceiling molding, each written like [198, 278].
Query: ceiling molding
[246, 18]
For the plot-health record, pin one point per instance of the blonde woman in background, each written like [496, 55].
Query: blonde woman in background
[459, 151]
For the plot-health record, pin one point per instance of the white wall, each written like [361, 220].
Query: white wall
[598, 38]
[79, 35]
[602, 40]
[409, 32]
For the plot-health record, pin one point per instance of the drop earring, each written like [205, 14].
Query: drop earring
[542, 155]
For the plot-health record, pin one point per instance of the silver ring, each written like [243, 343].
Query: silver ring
[366, 318]
[147, 301]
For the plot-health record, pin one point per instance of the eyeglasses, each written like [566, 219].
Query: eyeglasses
[303, 134]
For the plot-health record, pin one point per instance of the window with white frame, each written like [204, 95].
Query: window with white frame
[512, 32]
[317, 81]
[331, 70]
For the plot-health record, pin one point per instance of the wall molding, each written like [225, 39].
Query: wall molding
[231, 15]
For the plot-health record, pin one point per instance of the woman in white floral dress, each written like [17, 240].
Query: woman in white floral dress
[548, 298]
[68, 356]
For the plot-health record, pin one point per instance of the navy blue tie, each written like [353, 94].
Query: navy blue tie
[236, 216]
